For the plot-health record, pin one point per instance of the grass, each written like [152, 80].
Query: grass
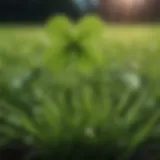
[116, 33]
[130, 34]
[134, 40]
[12, 34]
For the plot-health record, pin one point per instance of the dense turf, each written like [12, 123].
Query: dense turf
[120, 33]
[115, 104]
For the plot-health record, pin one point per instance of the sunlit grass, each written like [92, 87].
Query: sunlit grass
[120, 40]
[119, 33]
[132, 33]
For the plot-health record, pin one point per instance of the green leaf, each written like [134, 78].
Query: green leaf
[59, 27]
[89, 26]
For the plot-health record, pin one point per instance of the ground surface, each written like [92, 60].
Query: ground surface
[121, 33]
[132, 37]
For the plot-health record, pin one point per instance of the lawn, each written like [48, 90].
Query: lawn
[41, 107]
[115, 33]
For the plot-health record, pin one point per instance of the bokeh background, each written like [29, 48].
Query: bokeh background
[110, 10]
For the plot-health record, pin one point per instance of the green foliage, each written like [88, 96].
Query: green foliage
[79, 95]
[75, 46]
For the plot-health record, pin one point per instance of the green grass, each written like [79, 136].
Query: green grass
[83, 102]
[116, 33]
[15, 34]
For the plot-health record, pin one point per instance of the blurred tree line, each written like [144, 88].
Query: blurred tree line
[140, 10]
[39, 10]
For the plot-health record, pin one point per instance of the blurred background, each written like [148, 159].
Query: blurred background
[110, 10]
[39, 10]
